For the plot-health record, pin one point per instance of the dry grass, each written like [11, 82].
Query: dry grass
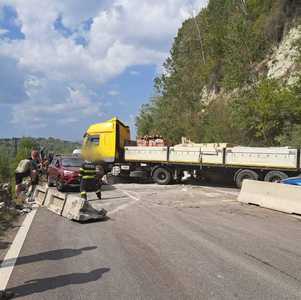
[7, 218]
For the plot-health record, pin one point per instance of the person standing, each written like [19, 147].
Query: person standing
[90, 179]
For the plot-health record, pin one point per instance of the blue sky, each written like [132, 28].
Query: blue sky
[67, 64]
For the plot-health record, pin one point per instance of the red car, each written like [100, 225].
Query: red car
[63, 172]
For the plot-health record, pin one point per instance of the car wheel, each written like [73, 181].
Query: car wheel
[49, 182]
[60, 186]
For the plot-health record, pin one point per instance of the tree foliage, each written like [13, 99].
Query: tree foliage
[221, 51]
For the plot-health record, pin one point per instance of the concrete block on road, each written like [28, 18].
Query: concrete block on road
[55, 201]
[40, 194]
[81, 210]
[276, 196]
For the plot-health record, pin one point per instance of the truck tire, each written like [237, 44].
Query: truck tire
[162, 176]
[275, 176]
[245, 174]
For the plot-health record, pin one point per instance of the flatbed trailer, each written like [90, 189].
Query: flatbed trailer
[209, 161]
[167, 164]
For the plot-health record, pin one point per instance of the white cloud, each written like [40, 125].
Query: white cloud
[122, 34]
[65, 106]
[3, 31]
[113, 93]
[134, 73]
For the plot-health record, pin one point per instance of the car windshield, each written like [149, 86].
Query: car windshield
[71, 162]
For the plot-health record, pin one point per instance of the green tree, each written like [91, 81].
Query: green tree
[266, 112]
[222, 50]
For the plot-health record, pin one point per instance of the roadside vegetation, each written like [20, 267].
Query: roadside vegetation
[7, 217]
[12, 151]
[220, 52]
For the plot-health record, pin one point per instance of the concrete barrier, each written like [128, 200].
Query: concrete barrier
[55, 201]
[40, 194]
[70, 206]
[81, 210]
[276, 196]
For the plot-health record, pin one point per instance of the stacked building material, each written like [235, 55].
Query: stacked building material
[151, 141]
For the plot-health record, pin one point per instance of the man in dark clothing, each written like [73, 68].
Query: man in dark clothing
[90, 181]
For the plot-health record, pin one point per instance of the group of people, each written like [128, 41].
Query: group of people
[32, 167]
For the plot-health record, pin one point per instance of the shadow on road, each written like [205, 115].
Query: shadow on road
[45, 284]
[49, 255]
[4, 245]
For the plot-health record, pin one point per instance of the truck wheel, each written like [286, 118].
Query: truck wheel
[245, 174]
[275, 176]
[162, 176]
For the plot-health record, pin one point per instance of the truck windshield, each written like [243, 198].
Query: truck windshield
[91, 140]
[72, 162]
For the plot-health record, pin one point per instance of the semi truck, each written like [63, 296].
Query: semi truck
[110, 143]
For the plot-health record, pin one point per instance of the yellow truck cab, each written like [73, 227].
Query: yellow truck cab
[105, 141]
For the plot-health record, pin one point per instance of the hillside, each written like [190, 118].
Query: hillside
[232, 76]
[50, 144]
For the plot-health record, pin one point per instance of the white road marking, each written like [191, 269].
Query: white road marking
[126, 205]
[11, 257]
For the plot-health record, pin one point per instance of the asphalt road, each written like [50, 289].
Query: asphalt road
[176, 242]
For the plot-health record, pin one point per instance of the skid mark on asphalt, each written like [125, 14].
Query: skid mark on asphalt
[11, 257]
[126, 205]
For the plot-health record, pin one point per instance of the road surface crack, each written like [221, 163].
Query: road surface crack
[272, 266]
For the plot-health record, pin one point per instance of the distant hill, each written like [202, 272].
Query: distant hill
[50, 144]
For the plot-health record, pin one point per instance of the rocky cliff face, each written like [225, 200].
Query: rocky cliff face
[283, 63]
